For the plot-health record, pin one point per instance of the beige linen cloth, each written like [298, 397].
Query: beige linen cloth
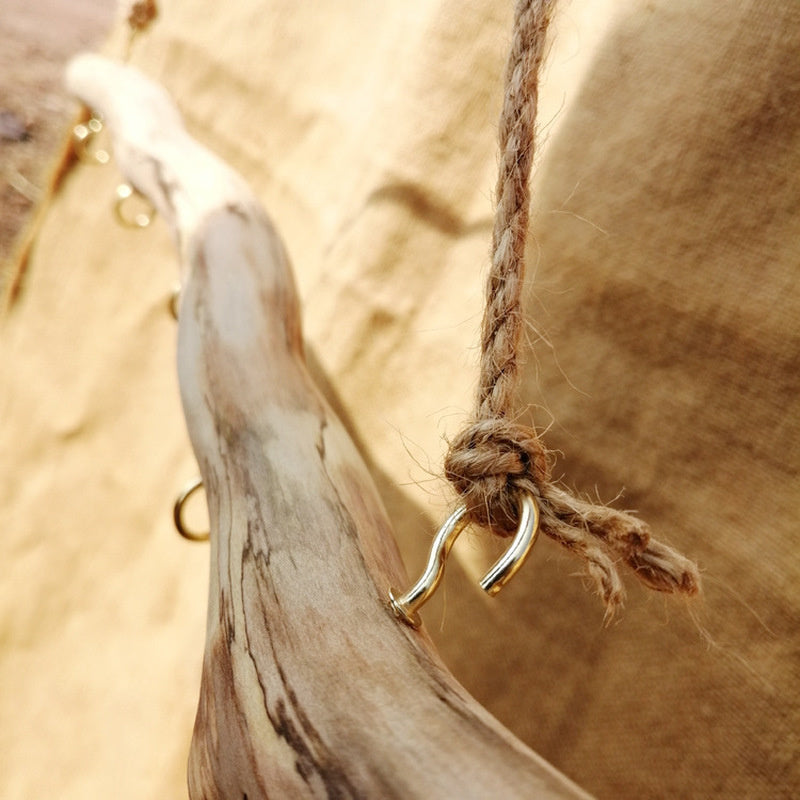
[665, 359]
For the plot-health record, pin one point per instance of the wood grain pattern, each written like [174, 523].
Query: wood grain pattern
[310, 687]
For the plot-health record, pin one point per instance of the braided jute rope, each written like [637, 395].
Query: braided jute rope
[495, 458]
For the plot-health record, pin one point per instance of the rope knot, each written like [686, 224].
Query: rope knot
[493, 460]
[488, 463]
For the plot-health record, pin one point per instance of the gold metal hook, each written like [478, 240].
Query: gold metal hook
[175, 301]
[406, 606]
[177, 513]
[139, 220]
[82, 136]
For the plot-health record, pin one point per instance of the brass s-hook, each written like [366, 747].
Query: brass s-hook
[406, 606]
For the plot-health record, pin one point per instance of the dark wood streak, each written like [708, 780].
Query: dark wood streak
[313, 757]
[226, 756]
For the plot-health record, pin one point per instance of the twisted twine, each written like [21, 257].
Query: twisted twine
[495, 458]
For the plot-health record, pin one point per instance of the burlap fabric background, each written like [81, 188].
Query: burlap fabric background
[666, 355]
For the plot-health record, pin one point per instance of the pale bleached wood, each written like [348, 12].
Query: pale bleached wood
[310, 686]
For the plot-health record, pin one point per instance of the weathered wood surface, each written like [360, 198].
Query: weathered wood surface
[310, 686]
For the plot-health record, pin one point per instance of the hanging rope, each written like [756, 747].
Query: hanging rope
[494, 458]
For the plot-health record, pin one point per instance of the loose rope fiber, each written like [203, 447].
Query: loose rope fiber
[495, 458]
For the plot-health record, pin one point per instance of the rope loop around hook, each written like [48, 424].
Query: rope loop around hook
[489, 463]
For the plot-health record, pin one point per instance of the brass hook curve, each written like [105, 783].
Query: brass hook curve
[407, 605]
[177, 512]
[175, 301]
[140, 220]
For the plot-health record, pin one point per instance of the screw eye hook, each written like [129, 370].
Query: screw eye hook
[140, 219]
[84, 135]
[406, 606]
[177, 513]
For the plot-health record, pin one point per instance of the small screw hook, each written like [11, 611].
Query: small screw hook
[82, 136]
[177, 512]
[139, 220]
[406, 606]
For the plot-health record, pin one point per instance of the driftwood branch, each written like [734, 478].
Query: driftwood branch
[310, 686]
